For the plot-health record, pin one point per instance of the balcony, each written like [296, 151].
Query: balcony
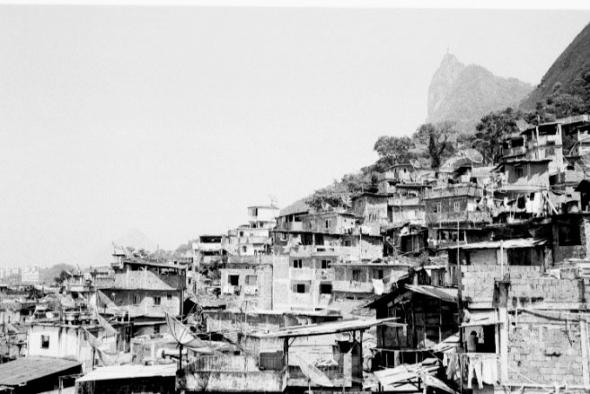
[327, 251]
[351, 286]
[464, 216]
[404, 201]
[290, 226]
[468, 190]
[311, 274]
[516, 151]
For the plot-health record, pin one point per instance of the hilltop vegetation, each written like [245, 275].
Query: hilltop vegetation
[566, 76]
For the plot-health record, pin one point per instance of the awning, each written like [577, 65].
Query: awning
[442, 293]
[481, 318]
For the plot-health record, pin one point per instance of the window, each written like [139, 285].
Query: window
[169, 296]
[251, 280]
[378, 274]
[437, 207]
[300, 288]
[325, 264]
[241, 233]
[44, 341]
[457, 206]
[328, 223]
[569, 234]
[136, 299]
[244, 249]
[325, 288]
[298, 263]
[157, 300]
[356, 275]
[234, 280]
[156, 329]
[519, 172]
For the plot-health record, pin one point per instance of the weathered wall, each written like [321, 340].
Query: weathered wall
[64, 342]
[254, 289]
[145, 300]
[227, 381]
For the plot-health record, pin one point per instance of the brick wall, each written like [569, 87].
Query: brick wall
[528, 286]
[545, 350]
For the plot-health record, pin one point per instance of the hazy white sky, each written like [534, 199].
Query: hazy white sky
[173, 120]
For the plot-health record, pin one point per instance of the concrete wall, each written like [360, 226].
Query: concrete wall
[64, 342]
[145, 300]
[155, 385]
[254, 289]
[534, 174]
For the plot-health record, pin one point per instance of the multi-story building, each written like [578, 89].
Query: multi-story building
[208, 249]
[255, 237]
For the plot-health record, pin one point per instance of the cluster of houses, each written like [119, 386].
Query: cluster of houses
[464, 278]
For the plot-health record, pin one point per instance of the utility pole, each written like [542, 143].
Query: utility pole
[460, 307]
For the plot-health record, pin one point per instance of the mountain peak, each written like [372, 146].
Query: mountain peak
[463, 94]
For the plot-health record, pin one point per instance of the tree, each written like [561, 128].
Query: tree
[490, 131]
[574, 100]
[437, 138]
[62, 277]
[393, 150]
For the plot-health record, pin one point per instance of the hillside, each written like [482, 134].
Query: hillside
[464, 93]
[563, 75]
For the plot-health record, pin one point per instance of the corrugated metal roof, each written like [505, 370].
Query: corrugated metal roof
[506, 244]
[326, 328]
[442, 293]
[481, 318]
[129, 372]
[28, 369]
[299, 206]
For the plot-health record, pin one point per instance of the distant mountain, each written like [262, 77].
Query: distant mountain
[47, 275]
[137, 240]
[464, 93]
[564, 75]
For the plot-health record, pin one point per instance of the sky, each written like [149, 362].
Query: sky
[170, 121]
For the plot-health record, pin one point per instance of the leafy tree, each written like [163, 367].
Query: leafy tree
[393, 150]
[560, 104]
[437, 139]
[490, 131]
[62, 277]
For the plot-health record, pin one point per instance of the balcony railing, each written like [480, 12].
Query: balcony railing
[311, 274]
[351, 286]
[290, 226]
[516, 151]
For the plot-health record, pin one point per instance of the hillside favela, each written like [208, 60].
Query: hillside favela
[457, 262]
